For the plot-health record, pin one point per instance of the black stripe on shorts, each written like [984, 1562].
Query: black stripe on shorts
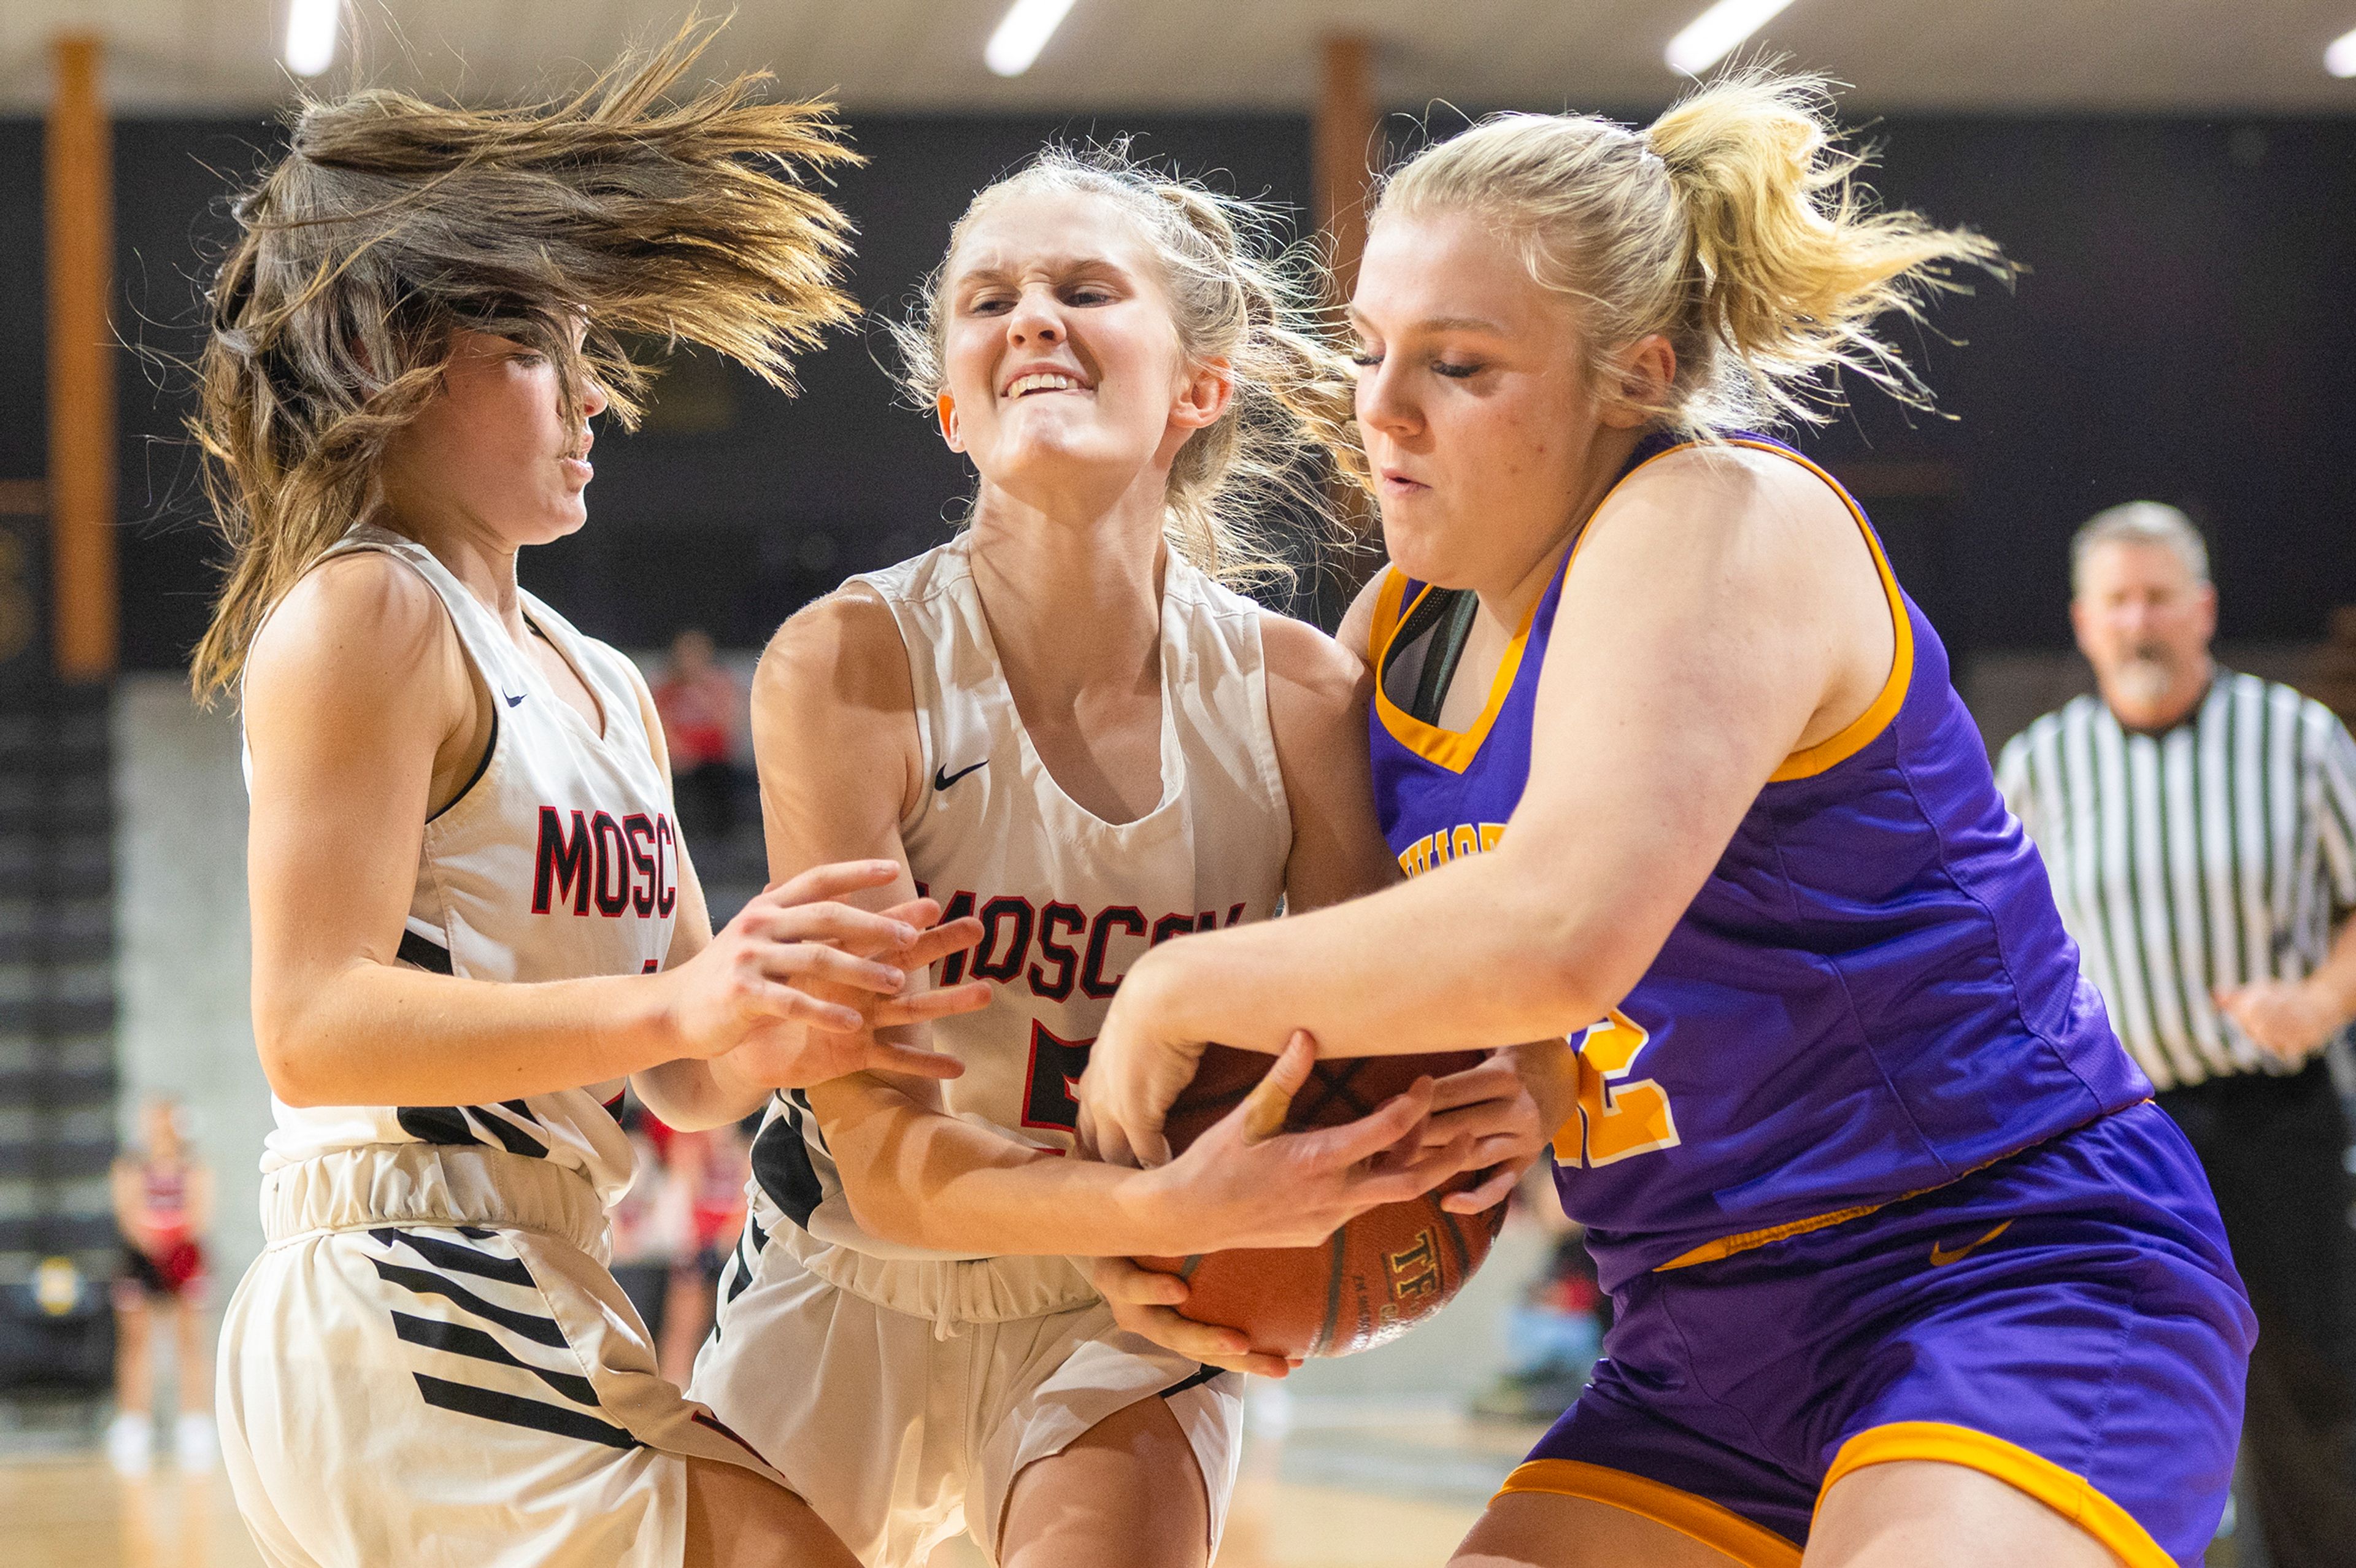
[1200, 1376]
[460, 1340]
[511, 1411]
[426, 955]
[515, 1139]
[458, 1259]
[538, 1330]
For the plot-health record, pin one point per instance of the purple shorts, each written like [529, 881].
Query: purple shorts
[2067, 1320]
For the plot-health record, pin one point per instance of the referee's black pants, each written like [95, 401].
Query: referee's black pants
[2275, 1150]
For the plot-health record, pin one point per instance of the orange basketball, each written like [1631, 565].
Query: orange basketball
[1377, 1277]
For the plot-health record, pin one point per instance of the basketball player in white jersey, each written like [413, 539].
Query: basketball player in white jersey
[1064, 725]
[473, 916]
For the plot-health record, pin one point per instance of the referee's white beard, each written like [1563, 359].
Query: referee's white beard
[2145, 677]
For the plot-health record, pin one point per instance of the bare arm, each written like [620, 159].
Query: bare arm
[1722, 611]
[200, 1200]
[1320, 690]
[692, 1094]
[2296, 1018]
[123, 1190]
[834, 686]
[357, 698]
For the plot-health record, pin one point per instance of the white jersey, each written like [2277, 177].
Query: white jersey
[558, 861]
[1067, 901]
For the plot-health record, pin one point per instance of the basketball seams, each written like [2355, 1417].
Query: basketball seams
[1386, 1271]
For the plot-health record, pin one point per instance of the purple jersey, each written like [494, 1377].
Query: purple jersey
[1870, 997]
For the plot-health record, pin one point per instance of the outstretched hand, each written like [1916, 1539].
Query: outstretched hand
[793, 991]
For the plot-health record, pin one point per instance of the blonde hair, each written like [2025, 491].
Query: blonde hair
[1733, 226]
[392, 223]
[1235, 293]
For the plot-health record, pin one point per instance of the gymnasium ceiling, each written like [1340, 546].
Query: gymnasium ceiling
[168, 57]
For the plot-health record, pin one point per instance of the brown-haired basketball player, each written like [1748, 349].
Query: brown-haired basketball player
[473, 917]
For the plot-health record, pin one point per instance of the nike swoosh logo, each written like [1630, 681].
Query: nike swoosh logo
[1940, 1257]
[513, 701]
[943, 780]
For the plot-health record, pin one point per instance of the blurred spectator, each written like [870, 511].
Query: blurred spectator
[163, 1206]
[646, 1245]
[708, 1171]
[2200, 829]
[1554, 1334]
[702, 712]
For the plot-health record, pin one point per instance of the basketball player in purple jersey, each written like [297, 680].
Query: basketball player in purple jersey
[1907, 1270]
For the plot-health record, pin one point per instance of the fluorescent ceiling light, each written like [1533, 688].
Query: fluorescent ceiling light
[2339, 60]
[1028, 25]
[311, 34]
[1719, 32]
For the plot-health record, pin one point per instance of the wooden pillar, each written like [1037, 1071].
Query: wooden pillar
[80, 212]
[1348, 123]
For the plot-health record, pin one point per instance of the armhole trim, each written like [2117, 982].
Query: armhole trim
[480, 768]
[1454, 750]
[1867, 727]
[1389, 604]
[900, 609]
[349, 545]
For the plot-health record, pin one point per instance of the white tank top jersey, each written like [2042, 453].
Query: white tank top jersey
[1067, 901]
[558, 861]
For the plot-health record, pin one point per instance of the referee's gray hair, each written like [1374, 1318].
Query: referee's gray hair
[2138, 522]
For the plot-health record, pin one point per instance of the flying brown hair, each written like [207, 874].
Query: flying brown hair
[393, 222]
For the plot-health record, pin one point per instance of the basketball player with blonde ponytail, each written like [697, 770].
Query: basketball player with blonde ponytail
[1908, 1272]
[1065, 722]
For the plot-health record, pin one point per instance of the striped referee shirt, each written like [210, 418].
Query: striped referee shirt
[2219, 852]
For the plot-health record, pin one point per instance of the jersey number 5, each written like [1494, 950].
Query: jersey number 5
[1617, 1118]
[1048, 1089]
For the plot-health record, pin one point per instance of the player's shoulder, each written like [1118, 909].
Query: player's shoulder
[1301, 653]
[360, 618]
[852, 623]
[1726, 483]
[838, 657]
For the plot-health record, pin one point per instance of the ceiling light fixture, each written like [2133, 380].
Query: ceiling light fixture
[311, 34]
[1028, 24]
[2340, 58]
[1719, 32]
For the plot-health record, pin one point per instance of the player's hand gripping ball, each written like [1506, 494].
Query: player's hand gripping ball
[1377, 1277]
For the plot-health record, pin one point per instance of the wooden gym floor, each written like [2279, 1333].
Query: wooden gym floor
[1353, 1484]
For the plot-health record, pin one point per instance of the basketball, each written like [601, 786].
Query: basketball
[1377, 1277]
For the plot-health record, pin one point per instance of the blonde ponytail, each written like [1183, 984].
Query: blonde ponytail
[1733, 226]
[1236, 293]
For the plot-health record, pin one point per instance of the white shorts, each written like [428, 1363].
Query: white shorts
[429, 1364]
[903, 1428]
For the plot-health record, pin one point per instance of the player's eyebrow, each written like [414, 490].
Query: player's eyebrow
[1444, 324]
[1080, 265]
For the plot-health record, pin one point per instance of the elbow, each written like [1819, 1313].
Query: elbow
[880, 1212]
[289, 1080]
[1585, 967]
[291, 1061]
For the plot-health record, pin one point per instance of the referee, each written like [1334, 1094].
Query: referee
[2200, 826]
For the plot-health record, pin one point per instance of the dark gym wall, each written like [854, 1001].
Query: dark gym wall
[2182, 334]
